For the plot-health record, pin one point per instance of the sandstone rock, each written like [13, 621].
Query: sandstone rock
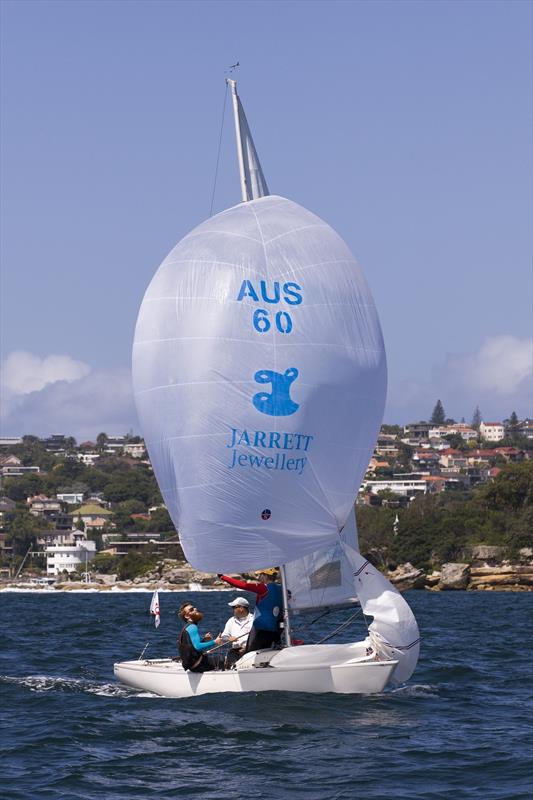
[433, 579]
[489, 554]
[405, 576]
[454, 576]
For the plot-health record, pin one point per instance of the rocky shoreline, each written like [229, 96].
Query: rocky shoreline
[481, 573]
[484, 571]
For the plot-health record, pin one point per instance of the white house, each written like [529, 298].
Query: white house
[492, 431]
[88, 458]
[10, 441]
[465, 431]
[60, 557]
[406, 487]
[135, 450]
[73, 498]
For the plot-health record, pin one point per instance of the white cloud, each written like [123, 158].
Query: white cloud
[58, 394]
[498, 378]
[501, 365]
[25, 372]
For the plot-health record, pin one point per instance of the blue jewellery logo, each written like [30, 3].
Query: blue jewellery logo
[278, 403]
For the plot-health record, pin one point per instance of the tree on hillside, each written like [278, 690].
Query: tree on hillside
[476, 418]
[438, 416]
[19, 488]
[511, 424]
[101, 440]
[70, 444]
[456, 441]
[395, 430]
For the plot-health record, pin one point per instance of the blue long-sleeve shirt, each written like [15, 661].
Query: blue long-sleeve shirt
[194, 634]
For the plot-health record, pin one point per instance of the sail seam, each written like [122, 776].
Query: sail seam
[230, 300]
[298, 270]
[194, 261]
[223, 233]
[294, 230]
[250, 341]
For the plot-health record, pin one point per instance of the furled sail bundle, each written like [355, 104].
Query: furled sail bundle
[260, 378]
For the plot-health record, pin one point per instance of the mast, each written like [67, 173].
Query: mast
[286, 617]
[240, 155]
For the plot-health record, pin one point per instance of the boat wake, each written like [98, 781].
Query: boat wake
[49, 683]
[416, 690]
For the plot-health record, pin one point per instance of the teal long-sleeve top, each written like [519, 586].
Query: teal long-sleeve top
[194, 633]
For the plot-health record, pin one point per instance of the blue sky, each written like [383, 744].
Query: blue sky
[405, 125]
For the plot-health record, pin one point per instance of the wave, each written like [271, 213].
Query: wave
[48, 683]
[416, 690]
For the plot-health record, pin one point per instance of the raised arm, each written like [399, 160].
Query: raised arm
[257, 588]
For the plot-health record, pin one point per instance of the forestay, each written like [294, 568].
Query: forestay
[260, 378]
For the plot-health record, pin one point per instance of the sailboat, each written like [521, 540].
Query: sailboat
[260, 377]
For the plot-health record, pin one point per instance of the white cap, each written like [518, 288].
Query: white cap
[239, 601]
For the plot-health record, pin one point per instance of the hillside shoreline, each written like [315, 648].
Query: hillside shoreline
[170, 576]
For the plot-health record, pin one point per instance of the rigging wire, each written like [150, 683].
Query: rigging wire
[340, 628]
[218, 154]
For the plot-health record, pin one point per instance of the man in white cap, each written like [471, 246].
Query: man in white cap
[237, 629]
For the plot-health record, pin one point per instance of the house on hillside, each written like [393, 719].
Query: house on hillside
[93, 516]
[12, 465]
[137, 450]
[67, 558]
[73, 496]
[418, 430]
[88, 457]
[425, 459]
[10, 441]
[406, 486]
[7, 509]
[525, 428]
[42, 506]
[466, 432]
[492, 431]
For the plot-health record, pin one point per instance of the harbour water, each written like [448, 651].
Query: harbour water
[461, 728]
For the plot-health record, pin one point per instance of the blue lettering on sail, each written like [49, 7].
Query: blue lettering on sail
[278, 442]
[278, 403]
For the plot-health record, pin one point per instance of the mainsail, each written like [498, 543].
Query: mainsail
[324, 579]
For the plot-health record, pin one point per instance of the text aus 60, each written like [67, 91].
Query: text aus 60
[264, 318]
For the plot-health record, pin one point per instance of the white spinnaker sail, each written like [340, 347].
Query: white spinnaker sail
[394, 631]
[260, 377]
[324, 579]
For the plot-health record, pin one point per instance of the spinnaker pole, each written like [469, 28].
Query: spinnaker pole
[286, 618]
[240, 156]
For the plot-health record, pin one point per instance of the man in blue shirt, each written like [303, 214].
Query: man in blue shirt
[265, 631]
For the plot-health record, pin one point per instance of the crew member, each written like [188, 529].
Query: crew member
[237, 629]
[265, 628]
[192, 647]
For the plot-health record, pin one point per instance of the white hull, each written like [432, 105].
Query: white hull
[343, 669]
